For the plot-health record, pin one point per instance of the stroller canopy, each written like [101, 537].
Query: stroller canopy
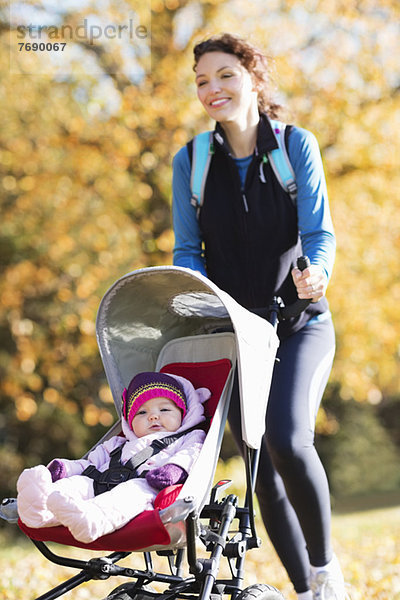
[147, 308]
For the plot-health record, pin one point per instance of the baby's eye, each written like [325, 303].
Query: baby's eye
[141, 412]
[165, 409]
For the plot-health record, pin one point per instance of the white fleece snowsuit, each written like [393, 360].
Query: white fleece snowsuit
[71, 501]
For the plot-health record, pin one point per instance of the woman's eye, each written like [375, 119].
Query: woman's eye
[201, 83]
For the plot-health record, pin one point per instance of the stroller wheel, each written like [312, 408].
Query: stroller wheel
[127, 591]
[260, 591]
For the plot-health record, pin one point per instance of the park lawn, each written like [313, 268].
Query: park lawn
[367, 542]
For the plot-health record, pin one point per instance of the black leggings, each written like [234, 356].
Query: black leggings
[292, 487]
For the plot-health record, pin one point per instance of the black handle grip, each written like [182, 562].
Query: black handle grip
[295, 309]
[303, 262]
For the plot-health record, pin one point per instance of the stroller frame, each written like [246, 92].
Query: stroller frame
[192, 293]
[204, 582]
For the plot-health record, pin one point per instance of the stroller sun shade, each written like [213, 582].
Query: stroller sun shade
[149, 307]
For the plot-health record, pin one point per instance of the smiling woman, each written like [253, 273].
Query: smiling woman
[246, 238]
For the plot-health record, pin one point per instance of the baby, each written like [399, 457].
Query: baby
[122, 476]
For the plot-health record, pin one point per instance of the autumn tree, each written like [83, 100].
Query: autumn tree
[86, 146]
[85, 158]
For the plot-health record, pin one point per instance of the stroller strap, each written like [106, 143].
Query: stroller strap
[116, 473]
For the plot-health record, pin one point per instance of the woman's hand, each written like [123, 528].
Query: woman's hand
[311, 283]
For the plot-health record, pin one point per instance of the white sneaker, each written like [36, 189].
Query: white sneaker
[327, 582]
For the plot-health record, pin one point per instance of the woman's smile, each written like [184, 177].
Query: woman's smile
[219, 102]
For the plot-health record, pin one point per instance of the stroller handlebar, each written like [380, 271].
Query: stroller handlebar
[295, 309]
[277, 311]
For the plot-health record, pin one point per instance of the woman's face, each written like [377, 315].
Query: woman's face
[225, 87]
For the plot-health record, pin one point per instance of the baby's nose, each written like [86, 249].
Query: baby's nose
[153, 416]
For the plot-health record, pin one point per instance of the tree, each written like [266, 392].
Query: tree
[85, 172]
[86, 145]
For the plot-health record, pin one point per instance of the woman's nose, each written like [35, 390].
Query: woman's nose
[214, 86]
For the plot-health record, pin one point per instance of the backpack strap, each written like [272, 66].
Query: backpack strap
[280, 163]
[203, 149]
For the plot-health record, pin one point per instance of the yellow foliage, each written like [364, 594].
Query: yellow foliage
[85, 175]
[26, 407]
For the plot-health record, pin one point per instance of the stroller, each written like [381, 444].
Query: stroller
[174, 320]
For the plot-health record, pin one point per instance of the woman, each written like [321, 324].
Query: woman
[246, 239]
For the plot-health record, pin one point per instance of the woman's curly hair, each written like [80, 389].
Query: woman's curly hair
[256, 63]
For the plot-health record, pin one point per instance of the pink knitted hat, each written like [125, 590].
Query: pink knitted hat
[148, 385]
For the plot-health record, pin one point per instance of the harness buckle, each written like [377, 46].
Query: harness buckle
[115, 475]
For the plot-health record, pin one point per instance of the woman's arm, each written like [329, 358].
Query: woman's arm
[188, 250]
[314, 218]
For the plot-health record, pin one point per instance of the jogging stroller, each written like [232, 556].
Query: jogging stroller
[175, 320]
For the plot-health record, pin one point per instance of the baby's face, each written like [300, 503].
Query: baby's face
[157, 414]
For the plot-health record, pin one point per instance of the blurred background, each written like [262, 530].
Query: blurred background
[86, 142]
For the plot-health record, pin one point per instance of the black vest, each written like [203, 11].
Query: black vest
[250, 235]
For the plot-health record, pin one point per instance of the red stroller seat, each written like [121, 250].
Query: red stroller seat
[147, 529]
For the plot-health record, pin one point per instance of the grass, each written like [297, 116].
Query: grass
[367, 543]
